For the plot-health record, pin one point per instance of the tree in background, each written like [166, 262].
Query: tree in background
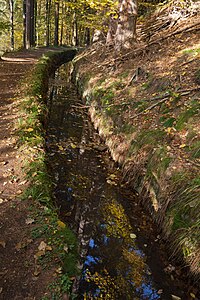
[30, 24]
[71, 22]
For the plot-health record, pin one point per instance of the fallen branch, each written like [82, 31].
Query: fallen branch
[187, 29]
[164, 98]
[149, 108]
[161, 97]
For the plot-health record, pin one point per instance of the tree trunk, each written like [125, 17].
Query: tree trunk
[30, 23]
[24, 23]
[111, 31]
[62, 23]
[87, 36]
[35, 22]
[126, 27]
[48, 11]
[56, 23]
[75, 31]
[11, 4]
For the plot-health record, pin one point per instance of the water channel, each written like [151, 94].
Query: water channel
[121, 255]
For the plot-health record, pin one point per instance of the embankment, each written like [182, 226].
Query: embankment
[146, 109]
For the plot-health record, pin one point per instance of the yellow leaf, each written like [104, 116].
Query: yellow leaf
[169, 130]
[29, 129]
[182, 146]
[192, 295]
[73, 146]
[61, 148]
[61, 224]
[39, 254]
[48, 248]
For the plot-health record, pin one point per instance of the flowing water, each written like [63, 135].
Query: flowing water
[121, 255]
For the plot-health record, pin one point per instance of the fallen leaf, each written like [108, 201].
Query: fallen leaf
[66, 248]
[73, 146]
[42, 246]
[3, 244]
[182, 146]
[48, 248]
[39, 254]
[29, 129]
[59, 270]
[133, 236]
[111, 182]
[174, 297]
[29, 221]
[192, 295]
[37, 270]
[61, 224]
[19, 192]
[18, 246]
[1, 200]
[23, 182]
[61, 148]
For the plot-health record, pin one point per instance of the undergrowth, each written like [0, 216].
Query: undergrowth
[31, 131]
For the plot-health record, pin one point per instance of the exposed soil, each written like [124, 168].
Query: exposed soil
[21, 277]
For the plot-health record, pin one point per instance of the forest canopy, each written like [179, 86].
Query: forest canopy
[64, 22]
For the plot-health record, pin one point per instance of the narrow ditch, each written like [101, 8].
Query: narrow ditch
[121, 254]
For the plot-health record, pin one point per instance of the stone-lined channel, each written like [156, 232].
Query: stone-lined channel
[121, 255]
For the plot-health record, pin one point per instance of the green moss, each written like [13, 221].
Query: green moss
[180, 220]
[127, 128]
[31, 132]
[189, 112]
[197, 76]
[186, 209]
[194, 149]
[169, 122]
[191, 51]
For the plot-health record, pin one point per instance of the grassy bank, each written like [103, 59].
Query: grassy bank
[146, 107]
[58, 245]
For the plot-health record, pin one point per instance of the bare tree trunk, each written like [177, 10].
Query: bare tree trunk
[126, 27]
[62, 23]
[11, 4]
[30, 23]
[35, 22]
[56, 23]
[24, 23]
[48, 11]
[111, 31]
[87, 36]
[75, 31]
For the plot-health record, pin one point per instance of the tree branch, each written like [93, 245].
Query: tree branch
[163, 98]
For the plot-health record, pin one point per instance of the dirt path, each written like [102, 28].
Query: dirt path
[19, 276]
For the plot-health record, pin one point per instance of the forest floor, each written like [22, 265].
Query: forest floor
[21, 275]
[166, 65]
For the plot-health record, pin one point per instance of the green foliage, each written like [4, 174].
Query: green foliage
[127, 128]
[193, 51]
[169, 122]
[194, 149]
[197, 76]
[189, 112]
[60, 239]
[148, 137]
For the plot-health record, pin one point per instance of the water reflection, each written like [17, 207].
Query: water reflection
[112, 265]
